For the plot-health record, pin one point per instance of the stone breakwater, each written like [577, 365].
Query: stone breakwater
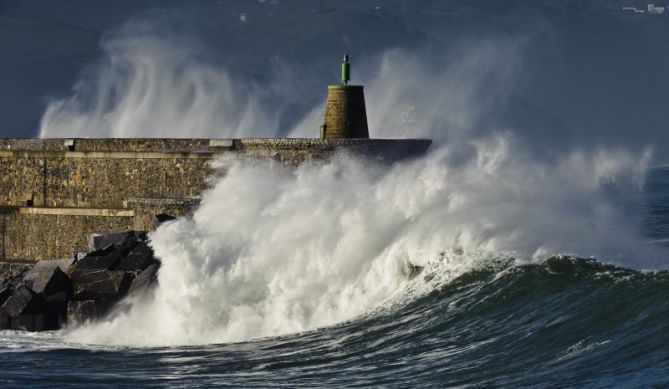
[55, 192]
[54, 294]
[11, 274]
[50, 295]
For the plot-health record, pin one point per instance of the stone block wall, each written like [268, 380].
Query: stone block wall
[53, 235]
[100, 181]
[108, 182]
[102, 173]
[55, 192]
[345, 115]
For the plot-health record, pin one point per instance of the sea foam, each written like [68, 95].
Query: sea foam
[273, 250]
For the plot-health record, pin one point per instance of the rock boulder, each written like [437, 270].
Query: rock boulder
[48, 280]
[145, 280]
[104, 259]
[23, 301]
[5, 323]
[161, 218]
[79, 312]
[5, 294]
[26, 310]
[100, 285]
[138, 259]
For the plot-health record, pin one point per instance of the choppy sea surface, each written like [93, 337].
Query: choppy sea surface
[564, 322]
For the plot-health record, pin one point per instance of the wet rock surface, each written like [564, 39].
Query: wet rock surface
[145, 280]
[100, 285]
[11, 274]
[51, 294]
[23, 301]
[80, 312]
[162, 218]
[138, 259]
[5, 294]
[48, 280]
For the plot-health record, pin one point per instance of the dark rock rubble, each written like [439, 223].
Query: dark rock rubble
[49, 295]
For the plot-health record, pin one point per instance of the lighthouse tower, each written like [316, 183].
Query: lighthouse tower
[345, 115]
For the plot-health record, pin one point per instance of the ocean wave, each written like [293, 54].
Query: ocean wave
[567, 321]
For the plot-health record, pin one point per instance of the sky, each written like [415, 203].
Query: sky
[558, 75]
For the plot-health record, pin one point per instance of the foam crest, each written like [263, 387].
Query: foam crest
[273, 251]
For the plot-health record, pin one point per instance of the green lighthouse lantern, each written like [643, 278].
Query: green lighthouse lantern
[345, 71]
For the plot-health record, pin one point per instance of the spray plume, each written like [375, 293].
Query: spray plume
[273, 251]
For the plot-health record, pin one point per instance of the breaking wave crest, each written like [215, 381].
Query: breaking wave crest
[272, 251]
[576, 322]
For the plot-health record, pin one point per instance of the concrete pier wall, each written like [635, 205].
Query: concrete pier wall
[54, 192]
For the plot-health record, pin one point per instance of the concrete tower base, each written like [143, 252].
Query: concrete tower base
[345, 115]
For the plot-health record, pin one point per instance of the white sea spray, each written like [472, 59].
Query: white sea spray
[273, 250]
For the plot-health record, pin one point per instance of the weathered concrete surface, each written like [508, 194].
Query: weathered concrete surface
[27, 236]
[116, 144]
[98, 181]
[295, 151]
[345, 115]
[55, 192]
